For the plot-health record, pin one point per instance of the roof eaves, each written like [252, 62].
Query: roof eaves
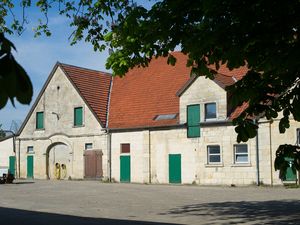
[186, 85]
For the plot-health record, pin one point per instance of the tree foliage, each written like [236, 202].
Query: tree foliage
[14, 81]
[262, 35]
[287, 151]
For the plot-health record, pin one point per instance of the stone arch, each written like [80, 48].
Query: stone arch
[58, 152]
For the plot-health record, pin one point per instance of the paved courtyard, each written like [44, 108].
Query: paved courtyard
[92, 202]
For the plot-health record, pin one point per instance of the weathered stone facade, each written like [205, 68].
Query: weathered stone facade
[58, 102]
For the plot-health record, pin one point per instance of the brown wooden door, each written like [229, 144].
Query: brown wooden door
[93, 164]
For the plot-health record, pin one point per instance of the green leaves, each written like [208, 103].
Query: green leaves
[14, 81]
[246, 129]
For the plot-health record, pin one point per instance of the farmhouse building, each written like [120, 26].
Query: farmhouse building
[155, 125]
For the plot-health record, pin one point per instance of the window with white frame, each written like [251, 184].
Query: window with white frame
[213, 154]
[210, 111]
[241, 154]
[30, 149]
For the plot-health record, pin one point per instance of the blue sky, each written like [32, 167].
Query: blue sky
[39, 55]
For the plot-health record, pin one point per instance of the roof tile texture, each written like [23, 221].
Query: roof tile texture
[93, 86]
[147, 92]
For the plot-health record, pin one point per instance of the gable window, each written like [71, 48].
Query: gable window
[210, 111]
[125, 148]
[88, 146]
[30, 149]
[213, 154]
[241, 154]
[39, 120]
[193, 121]
[78, 116]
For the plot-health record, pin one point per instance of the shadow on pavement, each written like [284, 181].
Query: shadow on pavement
[255, 212]
[23, 182]
[23, 217]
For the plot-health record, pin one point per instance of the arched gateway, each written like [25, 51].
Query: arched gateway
[58, 161]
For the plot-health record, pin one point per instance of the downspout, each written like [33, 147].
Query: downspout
[19, 160]
[257, 157]
[14, 149]
[150, 180]
[109, 154]
[271, 152]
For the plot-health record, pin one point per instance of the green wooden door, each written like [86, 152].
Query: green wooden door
[12, 165]
[174, 168]
[125, 168]
[290, 175]
[30, 166]
[193, 121]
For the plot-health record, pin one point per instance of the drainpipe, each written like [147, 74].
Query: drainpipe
[257, 157]
[149, 157]
[109, 154]
[19, 159]
[271, 152]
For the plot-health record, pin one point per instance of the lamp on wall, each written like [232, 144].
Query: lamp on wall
[57, 115]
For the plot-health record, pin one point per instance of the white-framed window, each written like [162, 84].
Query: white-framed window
[30, 149]
[210, 111]
[88, 146]
[213, 154]
[241, 154]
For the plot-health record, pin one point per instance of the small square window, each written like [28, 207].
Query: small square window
[210, 111]
[213, 154]
[88, 146]
[241, 154]
[125, 148]
[30, 149]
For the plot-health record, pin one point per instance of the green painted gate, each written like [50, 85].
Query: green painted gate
[12, 165]
[174, 168]
[30, 166]
[290, 175]
[125, 168]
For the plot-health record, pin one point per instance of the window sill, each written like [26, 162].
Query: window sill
[30, 153]
[241, 165]
[41, 129]
[74, 126]
[214, 165]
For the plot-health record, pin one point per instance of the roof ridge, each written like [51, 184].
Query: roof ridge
[80, 67]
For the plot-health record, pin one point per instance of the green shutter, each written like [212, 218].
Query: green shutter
[30, 166]
[78, 116]
[174, 168]
[193, 121]
[12, 165]
[40, 120]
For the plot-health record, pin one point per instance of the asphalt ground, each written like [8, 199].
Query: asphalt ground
[41, 202]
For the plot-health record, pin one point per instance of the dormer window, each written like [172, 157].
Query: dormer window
[210, 111]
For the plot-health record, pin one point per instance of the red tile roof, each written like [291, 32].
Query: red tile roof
[93, 86]
[147, 92]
